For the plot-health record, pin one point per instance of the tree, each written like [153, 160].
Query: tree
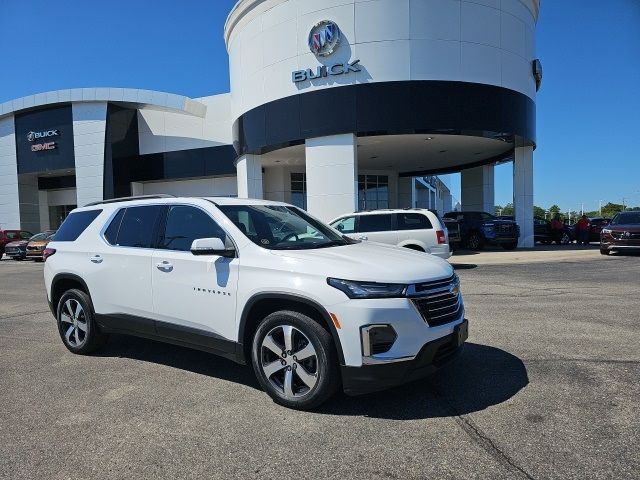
[553, 209]
[610, 209]
[539, 212]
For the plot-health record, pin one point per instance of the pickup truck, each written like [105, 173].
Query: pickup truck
[478, 229]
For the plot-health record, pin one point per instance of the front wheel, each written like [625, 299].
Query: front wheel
[295, 360]
[565, 239]
[474, 242]
[604, 251]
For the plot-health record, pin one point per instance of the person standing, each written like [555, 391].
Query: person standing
[557, 229]
[582, 230]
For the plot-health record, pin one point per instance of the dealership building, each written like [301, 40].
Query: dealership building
[335, 106]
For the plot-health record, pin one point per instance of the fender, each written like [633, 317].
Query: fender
[57, 279]
[294, 298]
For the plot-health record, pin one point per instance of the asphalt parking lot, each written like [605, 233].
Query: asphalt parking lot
[548, 387]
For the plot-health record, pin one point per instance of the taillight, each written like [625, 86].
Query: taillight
[47, 253]
[441, 237]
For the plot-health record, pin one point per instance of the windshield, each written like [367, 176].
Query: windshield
[39, 236]
[626, 218]
[279, 227]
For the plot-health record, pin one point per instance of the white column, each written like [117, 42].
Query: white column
[9, 196]
[249, 170]
[406, 192]
[332, 175]
[89, 124]
[477, 185]
[523, 194]
[276, 183]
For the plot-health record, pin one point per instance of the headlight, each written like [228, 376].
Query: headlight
[368, 289]
[606, 230]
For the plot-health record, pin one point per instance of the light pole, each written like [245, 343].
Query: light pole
[600, 208]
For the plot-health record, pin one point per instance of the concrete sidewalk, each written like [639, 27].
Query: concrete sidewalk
[542, 254]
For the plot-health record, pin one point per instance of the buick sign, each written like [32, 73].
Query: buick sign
[324, 38]
[31, 136]
[326, 71]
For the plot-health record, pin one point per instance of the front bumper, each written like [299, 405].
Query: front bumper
[14, 252]
[432, 356]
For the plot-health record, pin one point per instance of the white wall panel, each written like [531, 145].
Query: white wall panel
[201, 187]
[480, 24]
[435, 59]
[435, 19]
[89, 148]
[9, 196]
[481, 63]
[512, 35]
[380, 20]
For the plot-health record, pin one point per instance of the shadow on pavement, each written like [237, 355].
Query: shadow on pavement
[481, 377]
[464, 266]
[178, 357]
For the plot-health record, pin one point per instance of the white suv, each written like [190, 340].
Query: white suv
[417, 229]
[254, 281]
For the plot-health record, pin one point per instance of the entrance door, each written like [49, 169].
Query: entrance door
[194, 296]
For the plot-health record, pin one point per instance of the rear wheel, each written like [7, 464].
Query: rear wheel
[565, 239]
[295, 360]
[76, 323]
[474, 242]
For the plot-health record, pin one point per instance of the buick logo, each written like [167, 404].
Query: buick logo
[31, 136]
[324, 38]
[627, 234]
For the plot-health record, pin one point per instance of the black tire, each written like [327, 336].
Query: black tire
[604, 251]
[474, 242]
[325, 360]
[510, 246]
[78, 341]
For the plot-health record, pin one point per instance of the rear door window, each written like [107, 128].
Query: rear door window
[74, 225]
[139, 226]
[375, 223]
[413, 221]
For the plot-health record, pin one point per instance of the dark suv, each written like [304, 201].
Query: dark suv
[478, 229]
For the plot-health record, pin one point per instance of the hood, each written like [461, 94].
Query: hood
[369, 261]
[501, 222]
[18, 243]
[632, 227]
[39, 243]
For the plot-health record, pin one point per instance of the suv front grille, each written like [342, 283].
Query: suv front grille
[437, 303]
[507, 229]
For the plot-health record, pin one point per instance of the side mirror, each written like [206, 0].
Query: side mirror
[212, 246]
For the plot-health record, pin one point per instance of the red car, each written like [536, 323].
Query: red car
[596, 225]
[8, 236]
[622, 234]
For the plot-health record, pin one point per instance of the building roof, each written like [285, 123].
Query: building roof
[131, 96]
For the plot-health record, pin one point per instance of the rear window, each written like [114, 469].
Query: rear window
[111, 233]
[375, 223]
[75, 224]
[413, 221]
[138, 227]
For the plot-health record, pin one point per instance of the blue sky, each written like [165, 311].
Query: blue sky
[588, 107]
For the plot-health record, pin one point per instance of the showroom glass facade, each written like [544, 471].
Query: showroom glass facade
[373, 192]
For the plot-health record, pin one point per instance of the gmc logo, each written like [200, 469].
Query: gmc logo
[38, 147]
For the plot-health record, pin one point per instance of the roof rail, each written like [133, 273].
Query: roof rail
[127, 199]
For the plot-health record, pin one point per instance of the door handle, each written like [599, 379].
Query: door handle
[96, 259]
[364, 237]
[164, 266]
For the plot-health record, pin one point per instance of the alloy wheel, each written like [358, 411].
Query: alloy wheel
[74, 323]
[289, 361]
[565, 240]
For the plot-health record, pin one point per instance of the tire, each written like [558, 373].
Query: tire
[474, 242]
[565, 239]
[604, 251]
[510, 246]
[283, 382]
[77, 328]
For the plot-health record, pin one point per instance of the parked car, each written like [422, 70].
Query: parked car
[453, 229]
[8, 236]
[258, 282]
[478, 229]
[543, 233]
[416, 229]
[621, 234]
[37, 245]
[596, 225]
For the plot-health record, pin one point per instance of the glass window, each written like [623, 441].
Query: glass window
[138, 226]
[75, 224]
[25, 235]
[184, 225]
[282, 228]
[626, 218]
[373, 192]
[299, 190]
[413, 221]
[375, 223]
[12, 235]
[58, 213]
[111, 233]
[345, 225]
